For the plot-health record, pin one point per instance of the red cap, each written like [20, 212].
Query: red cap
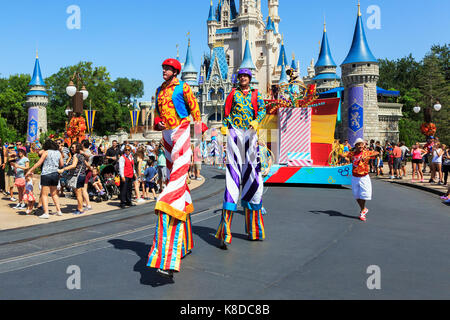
[173, 63]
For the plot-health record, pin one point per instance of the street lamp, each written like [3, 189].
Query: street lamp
[437, 106]
[78, 96]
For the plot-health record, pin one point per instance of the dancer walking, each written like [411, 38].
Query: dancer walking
[175, 101]
[244, 110]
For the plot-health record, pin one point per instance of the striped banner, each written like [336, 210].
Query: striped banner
[134, 117]
[90, 118]
[295, 132]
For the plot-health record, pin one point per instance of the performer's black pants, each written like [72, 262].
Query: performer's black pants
[126, 189]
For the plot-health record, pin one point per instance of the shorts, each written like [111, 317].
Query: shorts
[397, 163]
[162, 173]
[419, 161]
[150, 185]
[88, 177]
[198, 166]
[404, 163]
[80, 182]
[20, 182]
[50, 180]
[10, 181]
[362, 188]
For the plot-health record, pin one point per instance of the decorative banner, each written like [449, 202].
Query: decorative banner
[134, 117]
[339, 116]
[33, 117]
[90, 118]
[355, 114]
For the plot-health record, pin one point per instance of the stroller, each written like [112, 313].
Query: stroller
[108, 176]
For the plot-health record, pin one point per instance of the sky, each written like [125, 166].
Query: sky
[131, 38]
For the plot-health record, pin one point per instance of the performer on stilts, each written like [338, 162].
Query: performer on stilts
[175, 102]
[244, 110]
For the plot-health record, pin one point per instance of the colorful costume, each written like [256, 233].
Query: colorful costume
[243, 167]
[173, 235]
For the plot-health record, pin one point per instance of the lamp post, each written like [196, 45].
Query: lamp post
[78, 96]
[428, 128]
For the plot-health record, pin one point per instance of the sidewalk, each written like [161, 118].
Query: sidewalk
[12, 219]
[425, 186]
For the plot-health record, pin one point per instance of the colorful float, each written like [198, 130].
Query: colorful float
[299, 130]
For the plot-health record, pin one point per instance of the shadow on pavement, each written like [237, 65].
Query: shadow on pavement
[148, 275]
[333, 213]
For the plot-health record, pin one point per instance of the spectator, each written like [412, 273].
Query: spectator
[446, 163]
[2, 167]
[29, 195]
[20, 166]
[428, 157]
[436, 163]
[417, 160]
[405, 155]
[127, 176]
[150, 176]
[78, 166]
[51, 160]
[390, 158]
[162, 170]
[379, 158]
[11, 158]
[96, 182]
[197, 157]
[86, 152]
[140, 170]
[397, 153]
[113, 153]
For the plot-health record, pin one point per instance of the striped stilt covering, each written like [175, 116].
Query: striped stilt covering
[188, 240]
[174, 204]
[243, 168]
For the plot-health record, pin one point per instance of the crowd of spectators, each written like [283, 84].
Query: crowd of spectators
[59, 170]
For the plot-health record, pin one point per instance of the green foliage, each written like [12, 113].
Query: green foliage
[420, 84]
[34, 158]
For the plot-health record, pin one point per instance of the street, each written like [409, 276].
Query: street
[315, 248]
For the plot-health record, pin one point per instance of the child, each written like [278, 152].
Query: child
[150, 175]
[96, 183]
[29, 196]
[361, 184]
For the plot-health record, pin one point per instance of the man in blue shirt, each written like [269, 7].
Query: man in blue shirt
[150, 175]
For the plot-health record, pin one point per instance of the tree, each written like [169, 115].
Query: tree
[127, 89]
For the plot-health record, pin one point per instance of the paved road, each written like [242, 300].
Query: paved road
[316, 248]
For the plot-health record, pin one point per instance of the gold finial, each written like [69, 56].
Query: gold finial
[282, 39]
[293, 55]
[37, 55]
[178, 50]
[211, 3]
[324, 24]
[189, 38]
[359, 9]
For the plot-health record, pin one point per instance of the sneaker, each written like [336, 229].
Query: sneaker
[363, 215]
[28, 212]
[444, 197]
[59, 214]
[413, 181]
[140, 200]
[78, 212]
[391, 177]
[223, 245]
[13, 199]
[44, 216]
[168, 274]
[17, 207]
[23, 205]
[88, 208]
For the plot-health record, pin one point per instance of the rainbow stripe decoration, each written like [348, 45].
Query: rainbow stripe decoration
[90, 118]
[134, 117]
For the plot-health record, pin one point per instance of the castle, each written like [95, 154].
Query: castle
[245, 39]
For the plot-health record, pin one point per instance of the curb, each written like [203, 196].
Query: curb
[411, 185]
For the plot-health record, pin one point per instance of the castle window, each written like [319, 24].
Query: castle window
[353, 65]
[368, 64]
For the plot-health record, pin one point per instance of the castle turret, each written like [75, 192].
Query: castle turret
[360, 73]
[325, 68]
[273, 12]
[247, 62]
[37, 101]
[189, 73]
[212, 26]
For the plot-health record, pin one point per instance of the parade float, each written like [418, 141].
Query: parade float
[299, 130]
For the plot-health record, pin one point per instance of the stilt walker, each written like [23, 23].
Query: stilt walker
[244, 110]
[175, 102]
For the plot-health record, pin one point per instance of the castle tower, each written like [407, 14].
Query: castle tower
[247, 63]
[325, 68]
[36, 101]
[360, 73]
[273, 12]
[189, 73]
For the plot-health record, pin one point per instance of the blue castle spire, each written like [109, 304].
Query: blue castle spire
[282, 59]
[359, 51]
[211, 13]
[37, 79]
[189, 63]
[325, 58]
[234, 13]
[283, 77]
[247, 61]
[270, 25]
